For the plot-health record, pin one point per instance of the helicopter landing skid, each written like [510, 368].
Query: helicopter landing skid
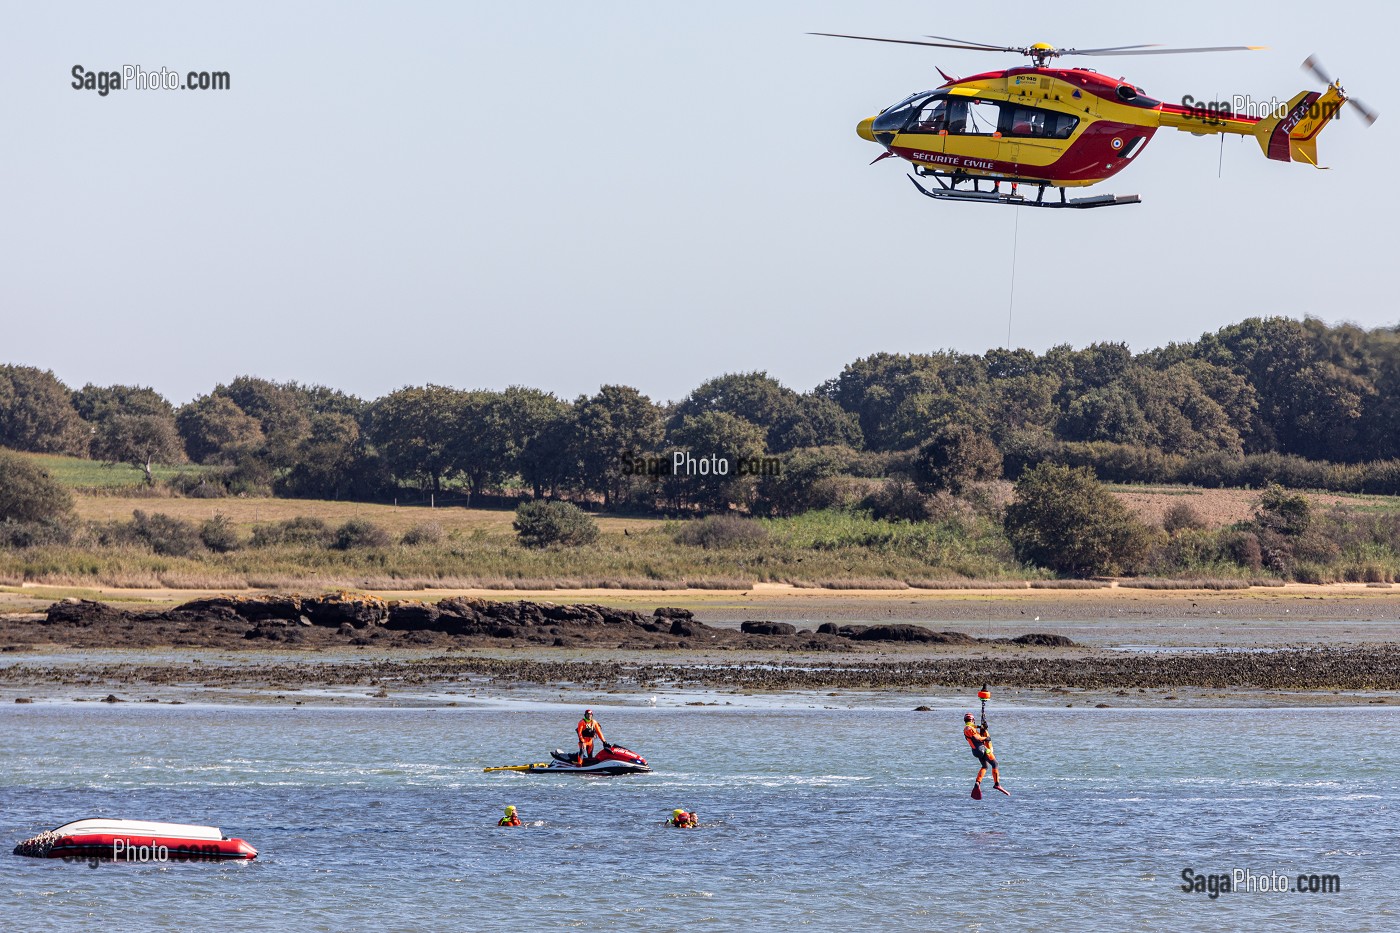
[950, 192]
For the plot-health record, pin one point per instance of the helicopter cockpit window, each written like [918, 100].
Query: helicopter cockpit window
[932, 118]
[894, 118]
[904, 104]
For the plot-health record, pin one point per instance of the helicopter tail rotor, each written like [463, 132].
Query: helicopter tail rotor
[1314, 67]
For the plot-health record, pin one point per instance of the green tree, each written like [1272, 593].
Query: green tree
[417, 431]
[37, 414]
[804, 481]
[1231, 391]
[334, 462]
[1324, 420]
[1020, 403]
[130, 424]
[215, 430]
[546, 462]
[281, 410]
[922, 416]
[1063, 519]
[817, 422]
[1308, 405]
[95, 404]
[323, 400]
[28, 494]
[496, 429]
[1094, 367]
[1181, 416]
[788, 419]
[139, 440]
[956, 458]
[893, 395]
[618, 420]
[723, 439]
[1106, 413]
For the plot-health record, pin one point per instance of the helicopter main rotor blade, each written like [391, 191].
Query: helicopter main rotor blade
[1111, 48]
[967, 42]
[940, 45]
[1217, 48]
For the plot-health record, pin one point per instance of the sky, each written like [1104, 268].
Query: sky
[566, 195]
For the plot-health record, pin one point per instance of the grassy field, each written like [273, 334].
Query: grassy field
[247, 512]
[80, 474]
[1219, 507]
[477, 548]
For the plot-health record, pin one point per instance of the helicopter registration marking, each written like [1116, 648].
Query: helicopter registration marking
[952, 160]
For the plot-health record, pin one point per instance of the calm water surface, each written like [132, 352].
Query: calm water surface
[833, 819]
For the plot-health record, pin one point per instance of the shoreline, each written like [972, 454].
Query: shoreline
[1275, 646]
[25, 597]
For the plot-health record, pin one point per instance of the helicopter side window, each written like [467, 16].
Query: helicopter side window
[1045, 124]
[1060, 125]
[973, 117]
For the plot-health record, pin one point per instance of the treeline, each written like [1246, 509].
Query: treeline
[1302, 404]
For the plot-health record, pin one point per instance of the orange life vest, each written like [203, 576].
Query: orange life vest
[975, 737]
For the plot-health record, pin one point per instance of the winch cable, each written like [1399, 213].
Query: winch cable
[1011, 302]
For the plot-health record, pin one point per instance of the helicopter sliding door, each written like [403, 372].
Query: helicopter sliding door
[972, 129]
[1034, 136]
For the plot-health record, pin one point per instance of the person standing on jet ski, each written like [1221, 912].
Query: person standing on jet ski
[510, 819]
[981, 742]
[588, 730]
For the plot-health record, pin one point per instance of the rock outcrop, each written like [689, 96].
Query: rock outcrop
[363, 619]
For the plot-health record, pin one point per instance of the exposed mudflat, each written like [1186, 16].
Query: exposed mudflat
[1372, 669]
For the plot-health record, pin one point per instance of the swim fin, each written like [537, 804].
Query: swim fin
[976, 791]
[1002, 789]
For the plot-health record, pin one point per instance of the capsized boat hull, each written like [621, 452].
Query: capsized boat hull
[135, 841]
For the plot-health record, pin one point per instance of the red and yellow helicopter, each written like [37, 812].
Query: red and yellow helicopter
[1047, 127]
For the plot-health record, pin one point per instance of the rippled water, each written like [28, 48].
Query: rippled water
[835, 819]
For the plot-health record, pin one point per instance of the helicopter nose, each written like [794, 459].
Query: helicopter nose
[865, 129]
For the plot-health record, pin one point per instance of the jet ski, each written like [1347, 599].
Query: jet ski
[612, 760]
